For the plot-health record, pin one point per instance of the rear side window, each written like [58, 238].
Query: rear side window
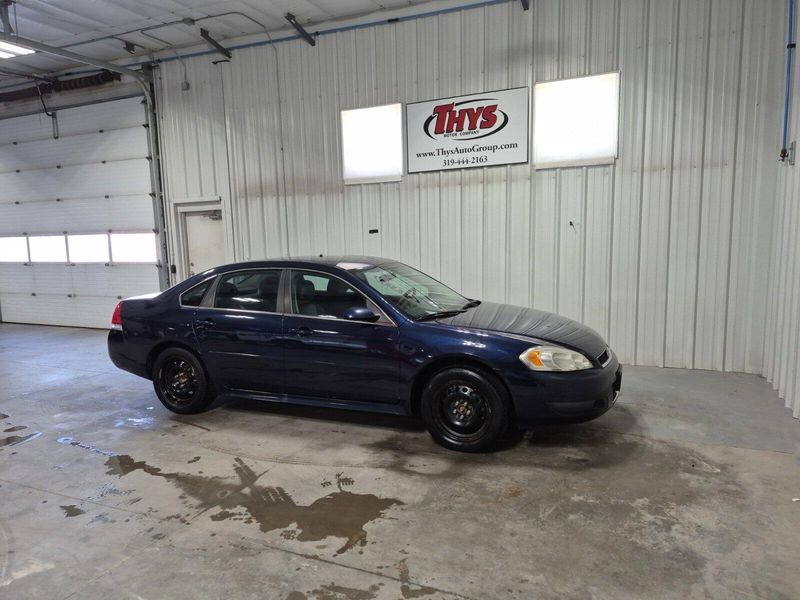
[194, 296]
[249, 290]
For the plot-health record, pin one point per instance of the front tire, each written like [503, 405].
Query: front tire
[465, 409]
[181, 383]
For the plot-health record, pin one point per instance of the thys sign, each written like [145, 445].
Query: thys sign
[479, 130]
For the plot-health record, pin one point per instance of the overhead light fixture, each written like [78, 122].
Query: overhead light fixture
[130, 48]
[300, 29]
[11, 50]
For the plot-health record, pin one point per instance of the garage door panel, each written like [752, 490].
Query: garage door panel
[50, 278]
[115, 280]
[125, 177]
[93, 197]
[16, 277]
[47, 309]
[111, 145]
[78, 215]
[72, 121]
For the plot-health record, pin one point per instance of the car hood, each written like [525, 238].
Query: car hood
[529, 322]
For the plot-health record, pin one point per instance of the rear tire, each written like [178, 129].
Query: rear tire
[465, 409]
[181, 382]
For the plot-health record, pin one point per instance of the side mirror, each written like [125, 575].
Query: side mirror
[360, 313]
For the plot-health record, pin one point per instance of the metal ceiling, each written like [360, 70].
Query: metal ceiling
[101, 28]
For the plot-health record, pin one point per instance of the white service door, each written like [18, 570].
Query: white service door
[205, 241]
[93, 179]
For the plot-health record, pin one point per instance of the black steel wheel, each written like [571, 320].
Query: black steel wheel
[180, 381]
[465, 409]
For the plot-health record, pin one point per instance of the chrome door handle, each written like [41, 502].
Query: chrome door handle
[301, 331]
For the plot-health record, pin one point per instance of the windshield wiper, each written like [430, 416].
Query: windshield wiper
[471, 304]
[440, 315]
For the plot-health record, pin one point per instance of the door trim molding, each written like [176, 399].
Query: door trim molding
[180, 208]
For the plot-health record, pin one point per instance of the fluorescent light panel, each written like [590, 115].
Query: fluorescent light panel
[8, 50]
[576, 121]
[372, 144]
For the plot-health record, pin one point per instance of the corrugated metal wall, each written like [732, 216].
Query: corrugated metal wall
[782, 340]
[668, 251]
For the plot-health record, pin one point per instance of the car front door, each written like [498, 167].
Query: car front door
[239, 331]
[329, 357]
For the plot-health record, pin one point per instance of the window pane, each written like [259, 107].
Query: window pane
[133, 247]
[48, 248]
[576, 121]
[195, 295]
[249, 290]
[88, 248]
[13, 249]
[372, 144]
[319, 295]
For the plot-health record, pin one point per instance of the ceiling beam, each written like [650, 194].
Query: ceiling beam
[217, 46]
[80, 58]
[300, 29]
[4, 4]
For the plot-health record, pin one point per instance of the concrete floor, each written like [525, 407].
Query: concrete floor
[684, 490]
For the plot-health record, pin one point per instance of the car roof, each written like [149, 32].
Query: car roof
[304, 261]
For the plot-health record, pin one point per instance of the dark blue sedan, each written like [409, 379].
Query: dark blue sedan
[367, 334]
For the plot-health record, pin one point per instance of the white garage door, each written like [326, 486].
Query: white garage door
[76, 215]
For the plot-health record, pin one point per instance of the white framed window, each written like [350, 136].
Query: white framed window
[48, 248]
[372, 144]
[88, 248]
[133, 247]
[14, 249]
[576, 121]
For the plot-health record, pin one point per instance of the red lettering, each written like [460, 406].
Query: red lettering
[460, 116]
[473, 114]
[442, 111]
[489, 118]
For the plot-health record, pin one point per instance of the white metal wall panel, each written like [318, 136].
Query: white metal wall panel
[94, 178]
[641, 250]
[782, 341]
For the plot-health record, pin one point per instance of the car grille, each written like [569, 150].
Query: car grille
[604, 357]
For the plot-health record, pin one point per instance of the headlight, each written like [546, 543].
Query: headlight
[554, 358]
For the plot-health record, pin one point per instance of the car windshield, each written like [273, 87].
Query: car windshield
[413, 293]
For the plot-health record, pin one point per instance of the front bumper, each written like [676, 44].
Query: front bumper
[573, 396]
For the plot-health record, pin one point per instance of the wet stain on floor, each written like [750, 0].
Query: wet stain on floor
[71, 510]
[341, 514]
[410, 590]
[333, 591]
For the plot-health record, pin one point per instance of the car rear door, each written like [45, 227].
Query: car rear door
[328, 357]
[239, 328]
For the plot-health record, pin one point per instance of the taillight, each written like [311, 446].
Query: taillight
[116, 318]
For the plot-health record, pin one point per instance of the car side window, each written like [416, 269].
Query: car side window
[320, 295]
[249, 290]
[194, 296]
